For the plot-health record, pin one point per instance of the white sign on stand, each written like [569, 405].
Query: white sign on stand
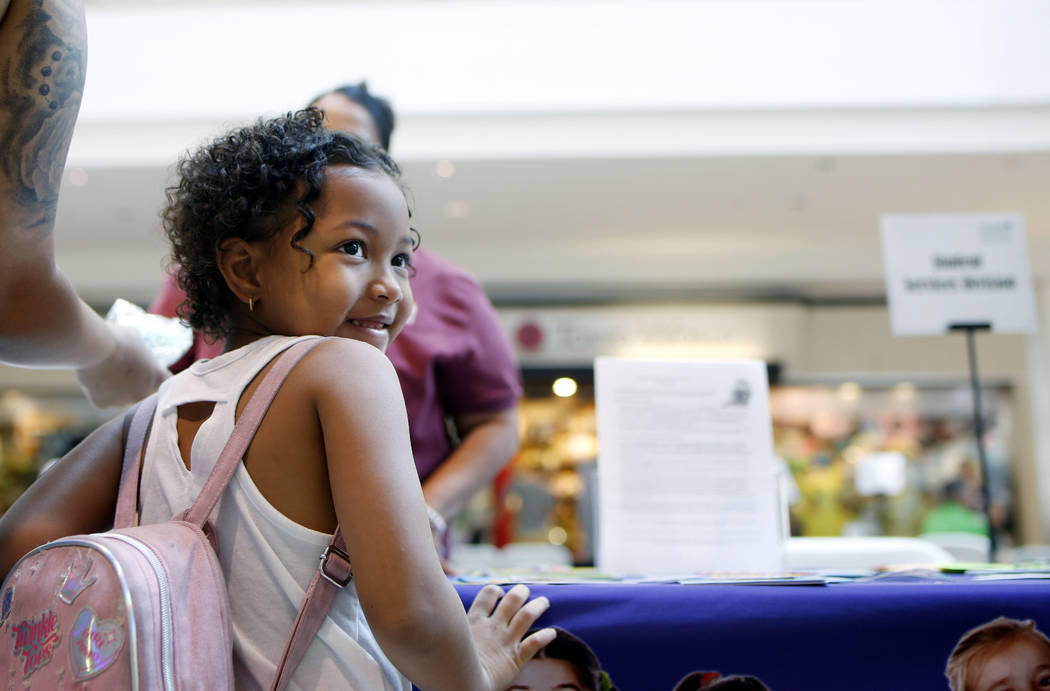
[686, 479]
[946, 272]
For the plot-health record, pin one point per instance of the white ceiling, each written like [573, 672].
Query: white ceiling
[687, 149]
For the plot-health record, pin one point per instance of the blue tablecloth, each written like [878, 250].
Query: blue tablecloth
[895, 633]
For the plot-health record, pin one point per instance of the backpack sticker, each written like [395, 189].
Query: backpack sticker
[5, 605]
[94, 643]
[75, 583]
[35, 640]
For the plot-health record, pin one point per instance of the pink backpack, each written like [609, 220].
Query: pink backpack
[146, 607]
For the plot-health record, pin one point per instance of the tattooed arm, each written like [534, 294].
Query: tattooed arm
[43, 51]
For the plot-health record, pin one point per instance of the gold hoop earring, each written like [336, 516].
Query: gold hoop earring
[251, 304]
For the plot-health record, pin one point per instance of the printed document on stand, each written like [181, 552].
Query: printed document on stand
[686, 479]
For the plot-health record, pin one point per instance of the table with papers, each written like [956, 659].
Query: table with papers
[688, 496]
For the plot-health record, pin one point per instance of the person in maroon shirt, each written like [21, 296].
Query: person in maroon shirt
[454, 361]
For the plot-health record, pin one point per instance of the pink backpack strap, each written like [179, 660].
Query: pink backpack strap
[244, 431]
[126, 515]
[334, 570]
[333, 573]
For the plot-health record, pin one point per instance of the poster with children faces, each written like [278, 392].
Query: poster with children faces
[1002, 654]
[917, 629]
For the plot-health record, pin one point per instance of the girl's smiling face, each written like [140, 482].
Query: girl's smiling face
[357, 285]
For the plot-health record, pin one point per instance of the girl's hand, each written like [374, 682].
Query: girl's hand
[498, 628]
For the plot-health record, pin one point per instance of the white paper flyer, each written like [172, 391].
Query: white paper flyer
[686, 479]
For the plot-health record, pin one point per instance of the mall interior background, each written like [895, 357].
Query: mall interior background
[687, 178]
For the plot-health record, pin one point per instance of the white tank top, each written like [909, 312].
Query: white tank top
[267, 558]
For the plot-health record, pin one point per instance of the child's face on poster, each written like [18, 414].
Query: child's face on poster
[546, 674]
[1022, 665]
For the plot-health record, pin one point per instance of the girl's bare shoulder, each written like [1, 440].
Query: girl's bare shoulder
[339, 365]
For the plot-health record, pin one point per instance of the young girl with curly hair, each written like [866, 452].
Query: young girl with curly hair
[284, 230]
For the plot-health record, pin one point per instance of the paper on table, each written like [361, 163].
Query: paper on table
[685, 472]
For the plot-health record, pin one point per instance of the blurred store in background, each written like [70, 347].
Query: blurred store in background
[863, 452]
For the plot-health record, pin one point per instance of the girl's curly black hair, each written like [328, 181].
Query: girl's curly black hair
[245, 185]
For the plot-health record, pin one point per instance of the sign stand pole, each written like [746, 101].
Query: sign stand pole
[960, 270]
[978, 426]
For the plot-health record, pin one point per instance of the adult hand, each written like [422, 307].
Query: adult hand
[128, 374]
[498, 624]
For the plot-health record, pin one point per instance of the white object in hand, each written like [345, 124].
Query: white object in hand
[166, 337]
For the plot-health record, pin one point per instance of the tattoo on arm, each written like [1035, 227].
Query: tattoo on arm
[41, 84]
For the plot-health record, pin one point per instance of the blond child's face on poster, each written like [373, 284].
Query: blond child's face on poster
[1022, 665]
[546, 674]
